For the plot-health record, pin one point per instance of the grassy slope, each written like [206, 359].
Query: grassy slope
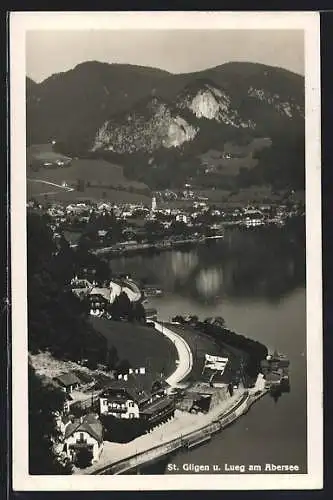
[94, 171]
[35, 189]
[199, 344]
[94, 195]
[232, 166]
[111, 183]
[140, 345]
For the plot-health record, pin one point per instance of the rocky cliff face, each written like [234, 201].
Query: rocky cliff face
[214, 104]
[288, 108]
[155, 123]
[153, 127]
[129, 109]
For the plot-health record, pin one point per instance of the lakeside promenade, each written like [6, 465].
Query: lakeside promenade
[184, 430]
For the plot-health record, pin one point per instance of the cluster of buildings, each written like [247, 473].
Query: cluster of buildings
[275, 369]
[100, 295]
[135, 397]
[42, 156]
[142, 225]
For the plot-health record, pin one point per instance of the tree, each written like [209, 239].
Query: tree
[40, 244]
[56, 318]
[112, 358]
[44, 401]
[178, 319]
[121, 306]
[139, 313]
[123, 367]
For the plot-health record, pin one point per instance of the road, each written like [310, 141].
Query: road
[185, 357]
[48, 183]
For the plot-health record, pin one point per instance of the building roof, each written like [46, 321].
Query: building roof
[97, 297]
[139, 387]
[67, 379]
[273, 376]
[157, 406]
[104, 292]
[90, 424]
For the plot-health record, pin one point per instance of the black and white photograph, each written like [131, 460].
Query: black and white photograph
[166, 250]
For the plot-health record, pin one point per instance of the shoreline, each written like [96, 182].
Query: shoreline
[202, 427]
[117, 251]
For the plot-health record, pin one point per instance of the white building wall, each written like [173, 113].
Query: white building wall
[97, 448]
[132, 409]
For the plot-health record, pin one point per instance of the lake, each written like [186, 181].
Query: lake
[255, 280]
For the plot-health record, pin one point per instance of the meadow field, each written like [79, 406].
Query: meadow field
[92, 172]
[140, 345]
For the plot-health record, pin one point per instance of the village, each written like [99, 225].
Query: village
[108, 412]
[108, 416]
[126, 228]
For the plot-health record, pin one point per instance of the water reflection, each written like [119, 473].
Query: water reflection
[267, 262]
[183, 263]
[255, 281]
[209, 282]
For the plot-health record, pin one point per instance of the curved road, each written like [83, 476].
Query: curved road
[49, 183]
[185, 358]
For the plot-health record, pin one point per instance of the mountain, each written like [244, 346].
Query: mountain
[74, 103]
[121, 111]
[206, 100]
[31, 86]
[152, 124]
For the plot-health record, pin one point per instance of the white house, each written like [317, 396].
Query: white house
[181, 218]
[137, 395]
[119, 403]
[86, 432]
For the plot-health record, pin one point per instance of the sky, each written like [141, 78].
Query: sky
[177, 51]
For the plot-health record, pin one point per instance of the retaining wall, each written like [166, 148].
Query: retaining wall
[185, 440]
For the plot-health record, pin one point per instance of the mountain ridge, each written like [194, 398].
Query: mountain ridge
[129, 110]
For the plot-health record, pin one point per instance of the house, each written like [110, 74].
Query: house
[68, 382]
[214, 370]
[97, 303]
[84, 433]
[137, 395]
[275, 369]
[108, 293]
[151, 314]
[273, 378]
[253, 217]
